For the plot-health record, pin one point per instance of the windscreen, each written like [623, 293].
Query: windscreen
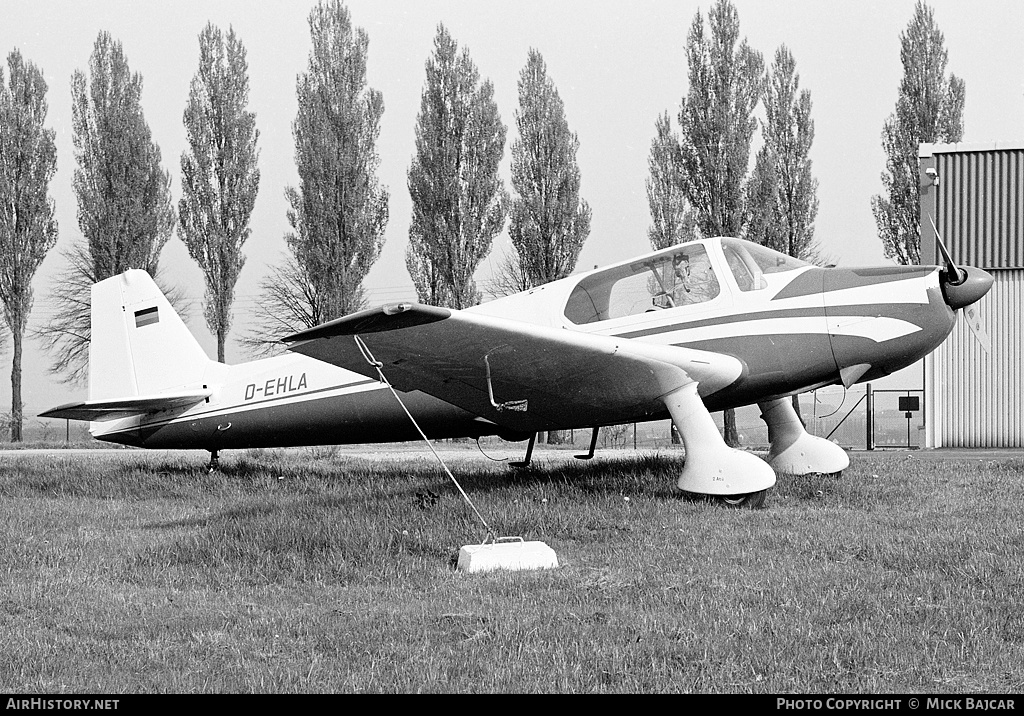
[680, 277]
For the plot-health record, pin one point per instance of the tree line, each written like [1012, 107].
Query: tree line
[700, 183]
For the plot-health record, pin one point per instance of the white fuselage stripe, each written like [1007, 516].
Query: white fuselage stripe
[875, 328]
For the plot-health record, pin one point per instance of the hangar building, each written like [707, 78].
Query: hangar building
[975, 193]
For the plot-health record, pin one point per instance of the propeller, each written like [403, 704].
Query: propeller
[973, 319]
[962, 287]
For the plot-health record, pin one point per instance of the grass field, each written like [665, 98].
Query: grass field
[333, 571]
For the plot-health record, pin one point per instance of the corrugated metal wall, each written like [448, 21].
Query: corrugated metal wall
[980, 207]
[978, 204]
[979, 398]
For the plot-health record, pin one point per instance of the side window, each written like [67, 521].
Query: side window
[750, 263]
[672, 279]
[744, 269]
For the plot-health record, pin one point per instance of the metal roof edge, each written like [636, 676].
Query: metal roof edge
[927, 150]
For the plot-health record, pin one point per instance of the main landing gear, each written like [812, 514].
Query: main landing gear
[737, 478]
[712, 468]
[214, 463]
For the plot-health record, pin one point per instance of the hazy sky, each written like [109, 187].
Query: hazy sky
[616, 65]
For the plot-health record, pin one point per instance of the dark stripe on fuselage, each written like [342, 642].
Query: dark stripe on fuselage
[809, 312]
[367, 416]
[837, 279]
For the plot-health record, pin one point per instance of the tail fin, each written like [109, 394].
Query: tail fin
[139, 344]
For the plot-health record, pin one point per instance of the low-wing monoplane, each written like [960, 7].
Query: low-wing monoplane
[698, 327]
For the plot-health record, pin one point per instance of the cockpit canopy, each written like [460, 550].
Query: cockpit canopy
[682, 275]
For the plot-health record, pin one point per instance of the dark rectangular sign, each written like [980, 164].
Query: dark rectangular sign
[909, 403]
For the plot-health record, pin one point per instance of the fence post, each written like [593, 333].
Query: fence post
[869, 422]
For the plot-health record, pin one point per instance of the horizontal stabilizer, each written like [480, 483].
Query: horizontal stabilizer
[96, 410]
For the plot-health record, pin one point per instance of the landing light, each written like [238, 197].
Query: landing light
[393, 309]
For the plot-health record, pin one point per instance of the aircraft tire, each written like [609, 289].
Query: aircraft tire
[749, 500]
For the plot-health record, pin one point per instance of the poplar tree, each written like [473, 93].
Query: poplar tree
[28, 230]
[717, 125]
[339, 210]
[459, 201]
[220, 178]
[717, 120]
[929, 108]
[548, 222]
[672, 219]
[782, 201]
[124, 200]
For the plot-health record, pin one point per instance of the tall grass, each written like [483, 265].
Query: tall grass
[328, 571]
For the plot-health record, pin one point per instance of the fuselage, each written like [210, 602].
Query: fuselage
[793, 326]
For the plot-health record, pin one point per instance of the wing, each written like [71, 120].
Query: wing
[95, 410]
[515, 374]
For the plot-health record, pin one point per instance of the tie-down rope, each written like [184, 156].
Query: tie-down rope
[379, 366]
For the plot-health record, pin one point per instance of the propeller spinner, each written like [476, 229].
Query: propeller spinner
[962, 287]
